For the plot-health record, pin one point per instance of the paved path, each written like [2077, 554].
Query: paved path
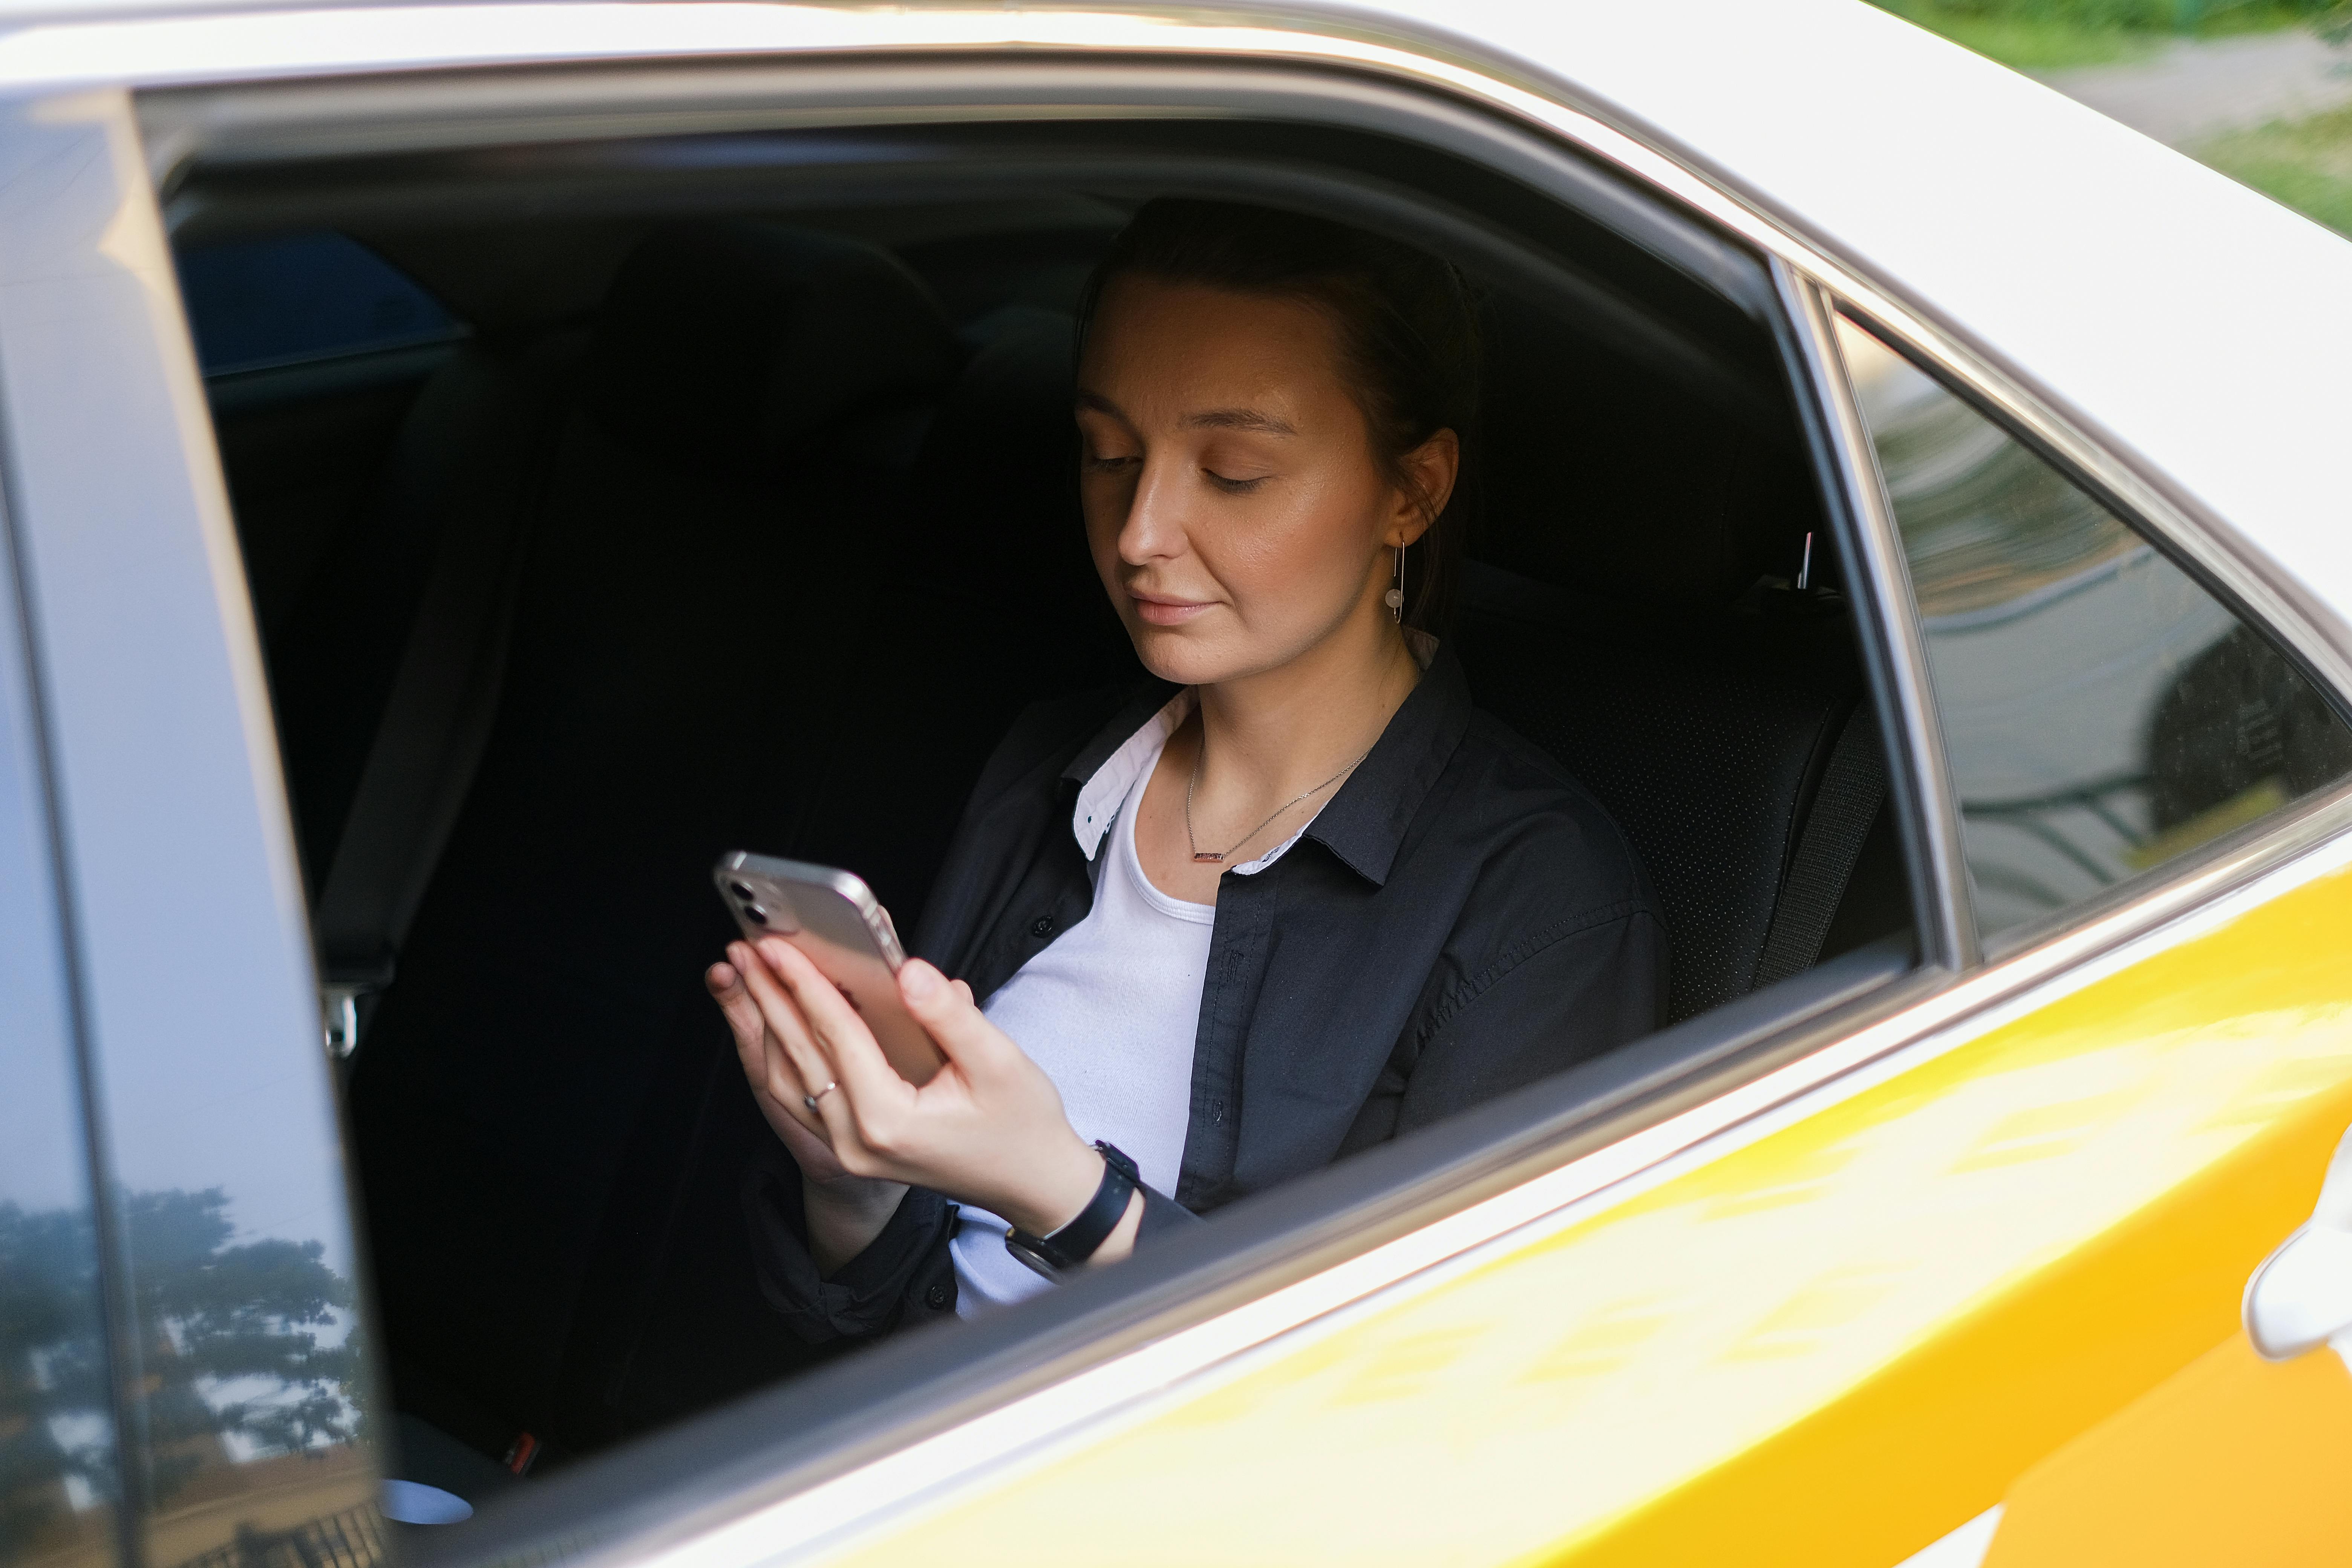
[2199, 88]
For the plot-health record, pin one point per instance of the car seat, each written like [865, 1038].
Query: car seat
[1631, 609]
[990, 602]
[704, 486]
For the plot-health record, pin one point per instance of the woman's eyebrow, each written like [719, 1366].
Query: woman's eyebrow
[1238, 419]
[1207, 419]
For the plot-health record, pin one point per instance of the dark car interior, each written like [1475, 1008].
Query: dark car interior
[632, 503]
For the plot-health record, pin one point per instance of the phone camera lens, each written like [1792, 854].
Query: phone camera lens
[755, 914]
[741, 891]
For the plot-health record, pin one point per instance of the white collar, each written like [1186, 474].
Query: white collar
[1100, 797]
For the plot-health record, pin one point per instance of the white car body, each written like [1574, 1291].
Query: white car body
[2003, 232]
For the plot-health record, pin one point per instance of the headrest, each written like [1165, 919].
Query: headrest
[1599, 474]
[731, 345]
[995, 498]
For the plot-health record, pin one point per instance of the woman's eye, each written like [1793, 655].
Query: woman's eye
[1232, 486]
[1106, 462]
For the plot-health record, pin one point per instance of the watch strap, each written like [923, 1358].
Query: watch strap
[1083, 1236]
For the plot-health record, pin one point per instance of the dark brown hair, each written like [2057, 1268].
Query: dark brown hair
[1408, 336]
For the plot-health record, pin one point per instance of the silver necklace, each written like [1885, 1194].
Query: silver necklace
[1202, 855]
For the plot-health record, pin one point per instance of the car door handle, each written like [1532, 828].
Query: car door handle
[2301, 1296]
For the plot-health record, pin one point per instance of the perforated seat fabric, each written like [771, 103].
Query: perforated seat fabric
[1705, 748]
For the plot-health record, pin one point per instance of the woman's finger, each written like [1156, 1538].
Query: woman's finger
[797, 1048]
[725, 983]
[756, 1048]
[871, 1091]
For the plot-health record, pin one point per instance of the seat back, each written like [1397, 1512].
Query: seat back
[704, 514]
[988, 603]
[1614, 617]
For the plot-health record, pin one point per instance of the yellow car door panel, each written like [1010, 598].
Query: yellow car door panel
[2236, 1460]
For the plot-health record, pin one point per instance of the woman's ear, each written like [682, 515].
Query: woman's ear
[1431, 469]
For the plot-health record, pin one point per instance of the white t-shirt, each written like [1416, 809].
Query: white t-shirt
[1110, 1010]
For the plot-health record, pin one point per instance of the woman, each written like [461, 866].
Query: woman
[1295, 898]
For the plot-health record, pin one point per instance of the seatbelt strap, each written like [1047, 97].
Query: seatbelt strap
[436, 724]
[1852, 787]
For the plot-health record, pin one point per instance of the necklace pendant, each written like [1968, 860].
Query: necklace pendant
[1204, 855]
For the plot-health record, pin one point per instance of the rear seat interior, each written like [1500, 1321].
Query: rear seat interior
[794, 542]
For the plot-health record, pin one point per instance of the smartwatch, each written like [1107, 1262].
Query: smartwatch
[1055, 1255]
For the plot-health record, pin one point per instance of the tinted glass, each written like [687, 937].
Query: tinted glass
[57, 1431]
[289, 298]
[2102, 713]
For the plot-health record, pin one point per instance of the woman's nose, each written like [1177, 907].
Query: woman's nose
[1154, 529]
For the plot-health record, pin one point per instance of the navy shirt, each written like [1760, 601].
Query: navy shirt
[1460, 919]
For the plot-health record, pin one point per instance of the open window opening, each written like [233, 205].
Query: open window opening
[718, 491]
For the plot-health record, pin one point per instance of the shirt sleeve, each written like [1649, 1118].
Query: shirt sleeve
[1594, 984]
[903, 1276]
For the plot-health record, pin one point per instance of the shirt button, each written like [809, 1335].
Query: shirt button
[936, 1298]
[1042, 927]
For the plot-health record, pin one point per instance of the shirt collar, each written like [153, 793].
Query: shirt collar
[1364, 824]
[1108, 767]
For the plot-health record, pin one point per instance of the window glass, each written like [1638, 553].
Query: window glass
[2102, 713]
[254, 1440]
[56, 1430]
[289, 298]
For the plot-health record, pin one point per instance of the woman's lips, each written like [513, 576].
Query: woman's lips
[1166, 612]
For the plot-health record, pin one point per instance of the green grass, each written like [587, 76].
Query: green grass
[2306, 164]
[2060, 35]
[2027, 43]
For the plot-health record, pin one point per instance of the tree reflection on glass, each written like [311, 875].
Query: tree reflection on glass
[246, 1359]
[52, 1379]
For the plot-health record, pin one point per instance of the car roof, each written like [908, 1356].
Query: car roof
[2162, 305]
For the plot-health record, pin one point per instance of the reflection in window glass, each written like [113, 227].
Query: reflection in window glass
[2102, 713]
[56, 1430]
[253, 1435]
[296, 297]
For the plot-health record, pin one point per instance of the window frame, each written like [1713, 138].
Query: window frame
[45, 893]
[161, 783]
[1521, 1154]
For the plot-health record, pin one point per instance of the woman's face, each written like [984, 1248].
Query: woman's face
[1235, 507]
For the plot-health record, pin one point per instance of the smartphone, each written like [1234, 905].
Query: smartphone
[832, 917]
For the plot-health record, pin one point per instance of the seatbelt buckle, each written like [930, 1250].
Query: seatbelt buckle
[340, 993]
[339, 1008]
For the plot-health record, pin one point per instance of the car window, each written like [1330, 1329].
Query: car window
[254, 303]
[1681, 648]
[2102, 713]
[57, 1442]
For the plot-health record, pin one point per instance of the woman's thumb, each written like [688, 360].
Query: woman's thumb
[945, 1010]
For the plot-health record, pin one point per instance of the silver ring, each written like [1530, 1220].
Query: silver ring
[810, 1099]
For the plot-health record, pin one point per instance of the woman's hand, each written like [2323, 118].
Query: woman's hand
[988, 1129]
[844, 1213]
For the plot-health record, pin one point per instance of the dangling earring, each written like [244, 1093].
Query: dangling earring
[1394, 597]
